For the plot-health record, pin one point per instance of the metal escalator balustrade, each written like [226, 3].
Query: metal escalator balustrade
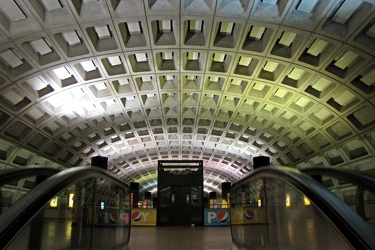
[355, 188]
[283, 208]
[78, 208]
[16, 182]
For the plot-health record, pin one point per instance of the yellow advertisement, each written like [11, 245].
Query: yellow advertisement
[246, 215]
[143, 217]
[53, 202]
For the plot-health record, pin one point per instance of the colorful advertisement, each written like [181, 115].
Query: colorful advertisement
[114, 218]
[143, 217]
[247, 215]
[217, 217]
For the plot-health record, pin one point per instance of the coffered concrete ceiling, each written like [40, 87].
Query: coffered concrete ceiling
[222, 81]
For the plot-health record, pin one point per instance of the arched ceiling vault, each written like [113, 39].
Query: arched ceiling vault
[222, 81]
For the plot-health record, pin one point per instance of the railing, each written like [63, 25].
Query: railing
[360, 185]
[16, 182]
[280, 207]
[78, 208]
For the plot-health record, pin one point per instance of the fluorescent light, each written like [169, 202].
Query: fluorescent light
[302, 102]
[191, 77]
[346, 59]
[71, 38]
[270, 1]
[141, 57]
[371, 31]
[51, 4]
[62, 73]
[258, 86]
[306, 5]
[167, 55]
[55, 101]
[123, 81]
[100, 86]
[321, 84]
[35, 113]
[88, 66]
[236, 82]
[226, 28]
[245, 61]
[36, 83]
[345, 11]
[102, 32]
[165, 26]
[13, 97]
[10, 57]
[219, 57]
[257, 32]
[146, 78]
[369, 78]
[12, 10]
[270, 66]
[322, 114]
[317, 47]
[134, 28]
[114, 60]
[193, 55]
[280, 93]
[296, 74]
[344, 98]
[287, 38]
[40, 46]
[195, 26]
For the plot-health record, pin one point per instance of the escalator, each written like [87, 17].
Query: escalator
[78, 208]
[273, 208]
[355, 188]
[16, 182]
[283, 208]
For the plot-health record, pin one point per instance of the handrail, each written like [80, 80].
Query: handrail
[356, 231]
[13, 220]
[352, 176]
[9, 175]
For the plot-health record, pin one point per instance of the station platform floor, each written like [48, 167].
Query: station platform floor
[180, 238]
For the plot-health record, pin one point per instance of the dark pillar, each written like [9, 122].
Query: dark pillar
[100, 162]
[134, 194]
[225, 194]
[260, 161]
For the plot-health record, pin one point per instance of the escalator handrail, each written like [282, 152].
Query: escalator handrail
[14, 219]
[13, 174]
[355, 177]
[354, 229]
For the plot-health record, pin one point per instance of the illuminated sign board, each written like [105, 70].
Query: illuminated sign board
[143, 217]
[217, 217]
[113, 218]
[53, 202]
[248, 215]
[71, 200]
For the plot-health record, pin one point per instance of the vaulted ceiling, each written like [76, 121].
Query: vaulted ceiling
[222, 81]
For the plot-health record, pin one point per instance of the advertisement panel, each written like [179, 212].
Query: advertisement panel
[247, 215]
[114, 218]
[216, 217]
[143, 217]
